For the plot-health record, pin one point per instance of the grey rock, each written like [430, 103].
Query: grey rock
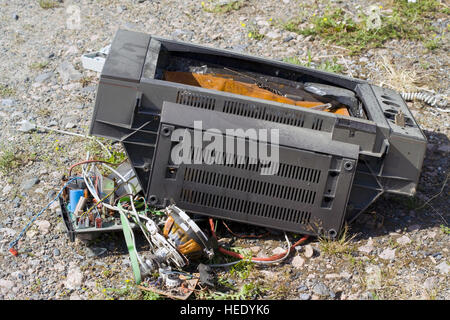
[67, 72]
[178, 33]
[273, 35]
[51, 194]
[74, 278]
[17, 202]
[8, 102]
[6, 284]
[29, 183]
[18, 275]
[94, 251]
[56, 252]
[387, 254]
[443, 267]
[15, 16]
[288, 38]
[43, 226]
[309, 251]
[305, 296]
[302, 288]
[240, 47]
[44, 77]
[322, 290]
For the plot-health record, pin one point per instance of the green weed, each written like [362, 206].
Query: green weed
[6, 91]
[326, 65]
[409, 21]
[224, 8]
[48, 4]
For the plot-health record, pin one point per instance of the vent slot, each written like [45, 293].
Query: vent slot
[242, 184]
[263, 113]
[195, 100]
[252, 208]
[285, 170]
[317, 124]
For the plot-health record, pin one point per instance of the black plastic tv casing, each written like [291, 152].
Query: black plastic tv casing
[331, 167]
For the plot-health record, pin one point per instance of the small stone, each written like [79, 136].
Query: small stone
[288, 38]
[121, 8]
[94, 251]
[322, 290]
[43, 77]
[273, 35]
[18, 275]
[74, 278]
[74, 296]
[255, 249]
[278, 250]
[67, 72]
[6, 284]
[31, 233]
[332, 276]
[414, 227]
[15, 16]
[8, 102]
[43, 226]
[8, 232]
[373, 279]
[305, 296]
[430, 283]
[346, 275]
[29, 183]
[443, 267]
[51, 195]
[363, 59]
[302, 288]
[387, 254]
[56, 252]
[367, 248]
[444, 148]
[431, 234]
[298, 262]
[59, 267]
[309, 251]
[17, 202]
[403, 240]
[7, 189]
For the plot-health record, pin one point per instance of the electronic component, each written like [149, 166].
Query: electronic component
[185, 235]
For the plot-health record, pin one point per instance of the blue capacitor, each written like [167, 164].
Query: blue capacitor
[74, 197]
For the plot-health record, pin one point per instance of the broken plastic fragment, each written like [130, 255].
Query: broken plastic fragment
[26, 126]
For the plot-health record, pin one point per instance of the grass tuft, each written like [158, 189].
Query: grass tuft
[342, 246]
[224, 8]
[410, 21]
[48, 4]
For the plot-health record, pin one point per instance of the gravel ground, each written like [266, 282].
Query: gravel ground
[398, 249]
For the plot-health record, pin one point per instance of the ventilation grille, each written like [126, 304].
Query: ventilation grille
[317, 124]
[196, 100]
[245, 207]
[251, 164]
[263, 113]
[241, 184]
[248, 110]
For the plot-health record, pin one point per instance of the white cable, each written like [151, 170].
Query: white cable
[428, 98]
